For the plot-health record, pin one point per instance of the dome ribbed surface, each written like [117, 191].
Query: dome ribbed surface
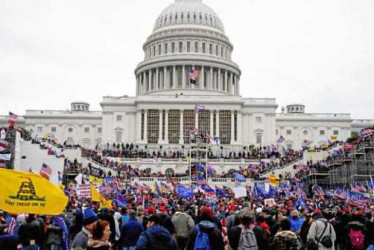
[183, 12]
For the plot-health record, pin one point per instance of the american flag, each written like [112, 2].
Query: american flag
[199, 108]
[193, 75]
[45, 171]
[160, 200]
[3, 145]
[13, 116]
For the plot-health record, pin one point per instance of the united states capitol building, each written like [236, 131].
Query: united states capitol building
[189, 35]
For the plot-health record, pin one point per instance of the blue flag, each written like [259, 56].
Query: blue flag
[200, 168]
[239, 177]
[184, 192]
[158, 189]
[272, 191]
[300, 203]
[259, 190]
[219, 192]
[207, 188]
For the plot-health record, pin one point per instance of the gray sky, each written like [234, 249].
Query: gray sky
[316, 52]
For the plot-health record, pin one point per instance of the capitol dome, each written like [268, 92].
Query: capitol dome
[187, 12]
[187, 37]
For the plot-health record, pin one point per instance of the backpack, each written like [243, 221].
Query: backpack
[202, 240]
[326, 240]
[357, 238]
[247, 239]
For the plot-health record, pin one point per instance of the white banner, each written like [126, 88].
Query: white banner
[240, 192]
[5, 157]
[84, 190]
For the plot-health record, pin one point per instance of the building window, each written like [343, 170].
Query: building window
[188, 46]
[40, 129]
[203, 48]
[188, 123]
[159, 49]
[180, 47]
[196, 47]
[153, 125]
[172, 47]
[236, 126]
[99, 130]
[119, 118]
[305, 132]
[276, 131]
[166, 48]
[258, 119]
[210, 49]
[163, 124]
[216, 50]
[70, 130]
[258, 138]
[154, 51]
[204, 121]
[53, 129]
[214, 123]
[221, 51]
[174, 126]
[86, 129]
[322, 132]
[336, 132]
[142, 126]
[118, 136]
[225, 126]
[289, 132]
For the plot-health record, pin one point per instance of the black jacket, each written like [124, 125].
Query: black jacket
[214, 234]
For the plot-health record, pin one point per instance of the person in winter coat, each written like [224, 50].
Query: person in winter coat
[246, 222]
[31, 232]
[183, 224]
[286, 239]
[130, 232]
[355, 225]
[207, 226]
[81, 239]
[157, 237]
[99, 240]
[316, 231]
[77, 224]
[296, 221]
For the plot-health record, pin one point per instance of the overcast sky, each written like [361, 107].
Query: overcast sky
[316, 52]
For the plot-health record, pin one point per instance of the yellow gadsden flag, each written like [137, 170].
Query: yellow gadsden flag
[96, 196]
[23, 192]
[273, 180]
[95, 180]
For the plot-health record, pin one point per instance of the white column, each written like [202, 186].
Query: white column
[197, 120]
[174, 78]
[150, 80]
[211, 84]
[165, 87]
[238, 86]
[232, 128]
[157, 79]
[137, 84]
[166, 126]
[240, 128]
[145, 139]
[181, 140]
[217, 123]
[202, 78]
[160, 126]
[138, 126]
[184, 76]
[211, 123]
[219, 80]
[226, 85]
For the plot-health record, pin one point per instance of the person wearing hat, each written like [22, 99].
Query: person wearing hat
[207, 226]
[130, 232]
[246, 229]
[81, 239]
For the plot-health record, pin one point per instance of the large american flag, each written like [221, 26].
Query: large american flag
[193, 74]
[45, 171]
[13, 116]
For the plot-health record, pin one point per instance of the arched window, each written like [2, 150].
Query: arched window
[159, 49]
[216, 50]
[169, 172]
[196, 47]
[210, 49]
[166, 48]
[221, 51]
[188, 46]
[203, 48]
[154, 50]
[172, 47]
[180, 47]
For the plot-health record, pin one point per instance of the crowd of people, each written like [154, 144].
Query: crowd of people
[175, 222]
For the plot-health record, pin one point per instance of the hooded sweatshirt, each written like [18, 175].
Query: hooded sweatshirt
[214, 234]
[156, 237]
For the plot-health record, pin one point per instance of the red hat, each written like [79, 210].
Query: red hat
[317, 210]
[206, 212]
[232, 207]
[358, 212]
[151, 210]
[347, 210]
